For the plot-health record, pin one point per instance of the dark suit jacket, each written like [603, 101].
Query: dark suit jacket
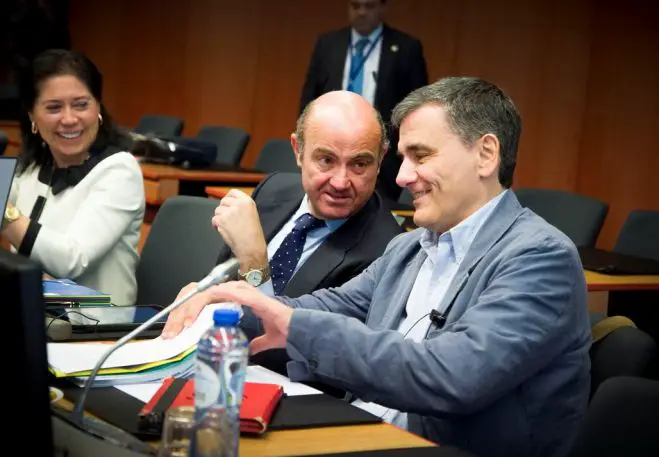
[402, 69]
[343, 254]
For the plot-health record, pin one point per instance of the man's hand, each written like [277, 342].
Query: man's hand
[275, 315]
[237, 220]
[187, 313]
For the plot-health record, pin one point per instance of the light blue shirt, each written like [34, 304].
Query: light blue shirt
[314, 239]
[371, 64]
[445, 253]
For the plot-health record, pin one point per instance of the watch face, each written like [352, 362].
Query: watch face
[254, 278]
[12, 213]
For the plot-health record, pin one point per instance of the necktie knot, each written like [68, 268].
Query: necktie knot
[361, 45]
[306, 223]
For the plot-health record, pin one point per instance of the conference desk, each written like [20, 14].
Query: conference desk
[598, 282]
[163, 181]
[221, 191]
[322, 440]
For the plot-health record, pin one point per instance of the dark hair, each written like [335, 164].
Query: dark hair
[474, 107]
[58, 62]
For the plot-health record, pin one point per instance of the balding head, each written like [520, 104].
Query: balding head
[339, 143]
[342, 109]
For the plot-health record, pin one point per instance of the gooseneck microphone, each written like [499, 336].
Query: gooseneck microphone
[225, 271]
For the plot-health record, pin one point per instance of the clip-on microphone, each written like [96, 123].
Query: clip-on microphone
[437, 318]
[221, 273]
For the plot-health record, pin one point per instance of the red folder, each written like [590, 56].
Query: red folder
[258, 406]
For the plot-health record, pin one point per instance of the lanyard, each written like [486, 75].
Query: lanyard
[357, 68]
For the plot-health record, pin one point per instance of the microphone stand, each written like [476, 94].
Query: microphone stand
[221, 273]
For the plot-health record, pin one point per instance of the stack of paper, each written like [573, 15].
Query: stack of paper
[135, 362]
[72, 294]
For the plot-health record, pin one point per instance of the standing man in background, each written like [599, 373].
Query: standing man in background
[371, 59]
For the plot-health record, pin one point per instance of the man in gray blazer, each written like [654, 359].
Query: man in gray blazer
[473, 330]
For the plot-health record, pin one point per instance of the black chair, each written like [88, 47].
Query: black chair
[277, 155]
[159, 125]
[639, 235]
[578, 216]
[622, 420]
[182, 247]
[405, 197]
[4, 141]
[231, 142]
[625, 351]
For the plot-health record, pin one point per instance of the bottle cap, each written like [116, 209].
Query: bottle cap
[226, 317]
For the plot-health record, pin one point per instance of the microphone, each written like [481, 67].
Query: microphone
[223, 272]
[437, 318]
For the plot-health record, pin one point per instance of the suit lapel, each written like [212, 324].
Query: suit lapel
[324, 259]
[337, 60]
[494, 228]
[274, 214]
[392, 317]
[388, 52]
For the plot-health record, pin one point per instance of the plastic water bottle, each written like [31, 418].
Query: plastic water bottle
[220, 369]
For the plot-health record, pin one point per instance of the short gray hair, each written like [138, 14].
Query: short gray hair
[474, 107]
[301, 123]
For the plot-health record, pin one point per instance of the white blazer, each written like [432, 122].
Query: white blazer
[89, 232]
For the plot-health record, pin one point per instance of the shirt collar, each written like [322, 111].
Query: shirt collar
[60, 179]
[332, 224]
[371, 37]
[462, 235]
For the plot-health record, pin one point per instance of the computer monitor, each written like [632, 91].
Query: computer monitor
[7, 169]
[26, 362]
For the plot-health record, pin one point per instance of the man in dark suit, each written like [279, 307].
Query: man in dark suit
[339, 144]
[374, 60]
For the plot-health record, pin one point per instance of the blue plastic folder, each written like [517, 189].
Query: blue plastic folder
[68, 292]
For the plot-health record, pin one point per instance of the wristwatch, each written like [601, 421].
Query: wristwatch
[11, 214]
[256, 276]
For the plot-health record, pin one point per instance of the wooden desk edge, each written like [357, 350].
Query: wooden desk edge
[611, 287]
[221, 191]
[158, 172]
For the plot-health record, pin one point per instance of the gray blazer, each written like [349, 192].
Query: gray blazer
[509, 373]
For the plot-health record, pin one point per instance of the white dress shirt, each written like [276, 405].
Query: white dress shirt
[445, 253]
[371, 65]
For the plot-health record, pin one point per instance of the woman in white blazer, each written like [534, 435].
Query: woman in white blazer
[77, 200]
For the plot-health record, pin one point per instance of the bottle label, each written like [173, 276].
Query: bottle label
[207, 385]
[223, 386]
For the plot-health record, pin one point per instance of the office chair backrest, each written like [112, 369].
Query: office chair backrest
[231, 142]
[4, 141]
[639, 235]
[626, 351]
[277, 155]
[578, 216]
[622, 420]
[159, 125]
[405, 197]
[182, 247]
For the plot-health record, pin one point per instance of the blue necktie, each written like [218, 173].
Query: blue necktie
[356, 84]
[285, 260]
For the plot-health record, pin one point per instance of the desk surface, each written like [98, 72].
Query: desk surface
[347, 438]
[221, 191]
[158, 172]
[309, 441]
[598, 282]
